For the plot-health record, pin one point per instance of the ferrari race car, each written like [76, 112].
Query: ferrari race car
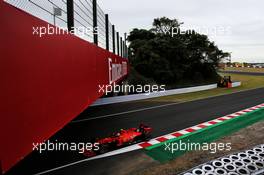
[120, 139]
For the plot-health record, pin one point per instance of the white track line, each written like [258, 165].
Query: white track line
[152, 142]
[122, 113]
[159, 106]
[112, 153]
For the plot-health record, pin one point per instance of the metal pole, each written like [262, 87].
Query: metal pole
[107, 32]
[125, 39]
[113, 36]
[118, 50]
[127, 51]
[95, 27]
[70, 15]
[124, 49]
[121, 46]
[54, 17]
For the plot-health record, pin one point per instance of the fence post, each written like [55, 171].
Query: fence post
[121, 46]
[95, 27]
[70, 15]
[107, 32]
[125, 39]
[124, 49]
[117, 37]
[113, 36]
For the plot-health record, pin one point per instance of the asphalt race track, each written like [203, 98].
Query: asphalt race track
[100, 121]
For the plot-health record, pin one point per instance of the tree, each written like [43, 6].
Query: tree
[164, 25]
[167, 59]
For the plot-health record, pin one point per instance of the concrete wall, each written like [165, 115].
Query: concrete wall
[120, 99]
[45, 82]
[127, 98]
[236, 84]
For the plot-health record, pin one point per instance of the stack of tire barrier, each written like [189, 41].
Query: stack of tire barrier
[250, 162]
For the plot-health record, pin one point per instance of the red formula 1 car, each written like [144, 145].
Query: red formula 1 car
[120, 139]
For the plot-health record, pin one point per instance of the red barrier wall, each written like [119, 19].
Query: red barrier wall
[45, 82]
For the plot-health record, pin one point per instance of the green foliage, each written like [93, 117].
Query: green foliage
[134, 78]
[157, 54]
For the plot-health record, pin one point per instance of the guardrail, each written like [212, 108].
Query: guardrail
[126, 98]
[135, 97]
[236, 84]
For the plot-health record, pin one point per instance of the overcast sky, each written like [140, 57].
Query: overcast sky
[242, 20]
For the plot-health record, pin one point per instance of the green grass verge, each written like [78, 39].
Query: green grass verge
[248, 82]
[205, 135]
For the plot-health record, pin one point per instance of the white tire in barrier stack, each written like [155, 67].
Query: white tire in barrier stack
[249, 162]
